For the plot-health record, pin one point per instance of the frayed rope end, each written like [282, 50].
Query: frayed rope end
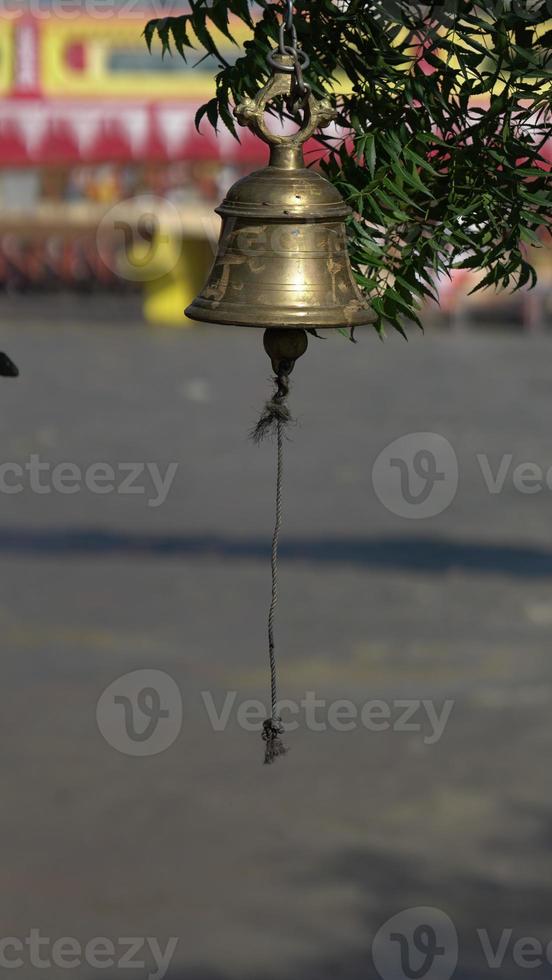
[273, 743]
[275, 412]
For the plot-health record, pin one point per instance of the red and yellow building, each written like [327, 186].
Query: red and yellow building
[86, 90]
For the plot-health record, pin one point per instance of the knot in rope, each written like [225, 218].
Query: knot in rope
[275, 411]
[272, 729]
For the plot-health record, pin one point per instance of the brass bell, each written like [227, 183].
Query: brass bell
[282, 258]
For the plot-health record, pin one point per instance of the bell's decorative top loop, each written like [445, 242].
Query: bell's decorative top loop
[251, 112]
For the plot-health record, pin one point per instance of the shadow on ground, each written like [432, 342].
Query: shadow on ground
[388, 884]
[412, 554]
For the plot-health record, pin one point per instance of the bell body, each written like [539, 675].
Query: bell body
[282, 258]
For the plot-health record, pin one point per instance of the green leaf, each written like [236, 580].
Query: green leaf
[370, 153]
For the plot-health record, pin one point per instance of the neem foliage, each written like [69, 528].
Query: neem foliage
[448, 107]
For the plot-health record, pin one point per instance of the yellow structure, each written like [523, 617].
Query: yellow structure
[166, 297]
[172, 267]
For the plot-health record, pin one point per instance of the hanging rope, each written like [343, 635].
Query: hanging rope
[274, 418]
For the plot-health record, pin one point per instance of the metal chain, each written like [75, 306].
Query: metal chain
[301, 60]
[289, 15]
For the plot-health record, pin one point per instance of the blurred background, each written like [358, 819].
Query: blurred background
[183, 840]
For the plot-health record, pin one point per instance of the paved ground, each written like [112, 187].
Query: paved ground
[288, 872]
